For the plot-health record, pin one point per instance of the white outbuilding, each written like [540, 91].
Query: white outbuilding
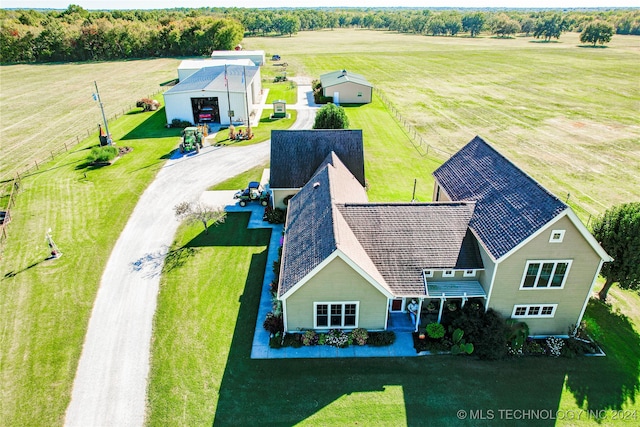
[256, 56]
[223, 94]
[346, 87]
[190, 66]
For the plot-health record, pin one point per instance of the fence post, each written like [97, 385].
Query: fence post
[36, 162]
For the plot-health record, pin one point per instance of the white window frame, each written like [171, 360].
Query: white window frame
[427, 273]
[559, 239]
[555, 263]
[329, 304]
[448, 273]
[469, 273]
[529, 307]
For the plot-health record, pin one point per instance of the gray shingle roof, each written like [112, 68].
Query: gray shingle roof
[391, 242]
[338, 77]
[404, 239]
[213, 79]
[297, 154]
[511, 205]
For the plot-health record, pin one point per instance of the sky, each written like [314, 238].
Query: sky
[166, 4]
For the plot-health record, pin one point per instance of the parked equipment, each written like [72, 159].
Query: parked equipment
[253, 192]
[191, 140]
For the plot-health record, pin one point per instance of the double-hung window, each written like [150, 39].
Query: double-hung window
[335, 315]
[545, 274]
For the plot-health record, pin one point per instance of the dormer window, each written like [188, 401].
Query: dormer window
[556, 236]
[469, 273]
[427, 273]
[448, 273]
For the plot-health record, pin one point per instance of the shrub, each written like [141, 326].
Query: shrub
[554, 346]
[337, 338]
[435, 330]
[360, 336]
[488, 331]
[381, 339]
[273, 324]
[102, 154]
[310, 338]
[532, 348]
[274, 215]
[177, 123]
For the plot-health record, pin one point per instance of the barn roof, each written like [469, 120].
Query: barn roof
[342, 76]
[215, 79]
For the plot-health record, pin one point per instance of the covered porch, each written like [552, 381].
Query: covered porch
[448, 296]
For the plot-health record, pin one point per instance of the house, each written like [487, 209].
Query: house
[493, 234]
[222, 94]
[190, 66]
[346, 87]
[256, 56]
[297, 154]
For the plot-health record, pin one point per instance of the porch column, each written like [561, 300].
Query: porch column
[442, 300]
[420, 300]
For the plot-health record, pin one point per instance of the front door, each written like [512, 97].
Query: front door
[397, 304]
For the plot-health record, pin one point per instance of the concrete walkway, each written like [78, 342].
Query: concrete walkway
[111, 380]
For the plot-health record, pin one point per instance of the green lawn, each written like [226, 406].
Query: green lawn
[262, 132]
[202, 372]
[46, 305]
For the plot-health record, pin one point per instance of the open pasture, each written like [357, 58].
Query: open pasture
[565, 113]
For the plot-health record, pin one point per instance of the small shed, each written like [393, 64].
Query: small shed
[347, 87]
[256, 56]
[279, 109]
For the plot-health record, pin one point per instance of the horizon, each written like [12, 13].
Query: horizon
[333, 4]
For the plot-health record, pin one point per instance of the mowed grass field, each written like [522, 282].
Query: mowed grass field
[564, 113]
[44, 106]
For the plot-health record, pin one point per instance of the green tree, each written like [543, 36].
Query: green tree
[550, 26]
[194, 212]
[618, 232]
[331, 116]
[473, 23]
[597, 32]
[504, 26]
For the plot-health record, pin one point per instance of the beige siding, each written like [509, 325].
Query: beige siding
[570, 299]
[349, 93]
[280, 194]
[439, 195]
[337, 282]
[484, 277]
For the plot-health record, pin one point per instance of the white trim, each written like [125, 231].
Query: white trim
[448, 273]
[329, 304]
[336, 254]
[554, 239]
[427, 273]
[493, 279]
[555, 263]
[568, 212]
[469, 273]
[586, 300]
[528, 307]
[284, 315]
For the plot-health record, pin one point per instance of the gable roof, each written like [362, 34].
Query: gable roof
[511, 206]
[402, 239]
[297, 154]
[391, 243]
[213, 79]
[338, 77]
[315, 230]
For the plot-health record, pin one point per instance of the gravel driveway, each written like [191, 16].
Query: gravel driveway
[111, 380]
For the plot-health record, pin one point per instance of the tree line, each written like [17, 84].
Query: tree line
[76, 34]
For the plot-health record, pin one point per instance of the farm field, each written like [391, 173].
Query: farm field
[45, 306]
[47, 105]
[567, 115]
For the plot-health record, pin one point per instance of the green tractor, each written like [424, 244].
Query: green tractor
[191, 140]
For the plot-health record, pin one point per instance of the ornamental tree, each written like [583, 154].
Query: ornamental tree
[618, 232]
[597, 32]
[331, 117]
[193, 212]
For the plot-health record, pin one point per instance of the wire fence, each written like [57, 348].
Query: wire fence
[13, 183]
[423, 148]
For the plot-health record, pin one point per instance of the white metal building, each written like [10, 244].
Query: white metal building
[222, 94]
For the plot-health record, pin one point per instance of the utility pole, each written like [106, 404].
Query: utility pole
[96, 97]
